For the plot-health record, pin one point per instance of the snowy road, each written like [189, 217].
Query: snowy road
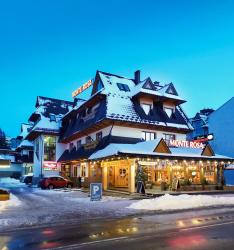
[30, 206]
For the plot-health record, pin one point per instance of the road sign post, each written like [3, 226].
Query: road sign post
[95, 191]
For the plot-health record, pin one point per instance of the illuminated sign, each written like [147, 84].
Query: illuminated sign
[50, 166]
[209, 137]
[82, 88]
[186, 144]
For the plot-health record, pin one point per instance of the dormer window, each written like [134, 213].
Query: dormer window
[52, 118]
[168, 111]
[123, 87]
[146, 107]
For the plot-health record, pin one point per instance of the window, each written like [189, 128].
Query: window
[169, 111]
[89, 110]
[88, 139]
[146, 108]
[168, 137]
[74, 171]
[148, 136]
[52, 118]
[99, 136]
[71, 146]
[78, 144]
[123, 87]
[49, 148]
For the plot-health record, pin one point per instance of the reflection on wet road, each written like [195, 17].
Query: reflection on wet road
[146, 232]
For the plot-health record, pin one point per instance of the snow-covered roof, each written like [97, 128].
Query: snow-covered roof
[48, 114]
[25, 143]
[117, 98]
[148, 148]
[24, 130]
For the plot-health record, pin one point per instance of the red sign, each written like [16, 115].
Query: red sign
[82, 88]
[50, 166]
[186, 144]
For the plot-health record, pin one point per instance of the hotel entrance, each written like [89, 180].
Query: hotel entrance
[117, 174]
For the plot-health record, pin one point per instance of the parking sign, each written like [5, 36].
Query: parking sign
[95, 191]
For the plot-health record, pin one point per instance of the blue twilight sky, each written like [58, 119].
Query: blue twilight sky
[50, 47]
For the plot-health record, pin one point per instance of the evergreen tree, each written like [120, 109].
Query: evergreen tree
[3, 141]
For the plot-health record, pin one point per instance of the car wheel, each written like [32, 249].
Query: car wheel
[69, 185]
[51, 186]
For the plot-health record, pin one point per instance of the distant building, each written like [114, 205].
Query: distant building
[45, 124]
[9, 167]
[221, 124]
[200, 124]
[25, 149]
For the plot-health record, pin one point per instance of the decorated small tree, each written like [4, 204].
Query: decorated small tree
[141, 174]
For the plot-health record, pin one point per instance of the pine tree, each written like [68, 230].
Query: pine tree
[3, 141]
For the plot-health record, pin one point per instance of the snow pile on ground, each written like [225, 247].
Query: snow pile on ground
[10, 182]
[172, 202]
[13, 202]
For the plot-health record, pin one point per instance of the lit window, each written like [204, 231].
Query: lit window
[146, 108]
[49, 148]
[148, 136]
[169, 111]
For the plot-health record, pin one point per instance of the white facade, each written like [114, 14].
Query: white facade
[121, 132]
[39, 159]
[221, 124]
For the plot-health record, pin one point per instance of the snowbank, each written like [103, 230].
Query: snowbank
[13, 202]
[171, 202]
[10, 182]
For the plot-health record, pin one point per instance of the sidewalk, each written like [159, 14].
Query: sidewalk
[156, 193]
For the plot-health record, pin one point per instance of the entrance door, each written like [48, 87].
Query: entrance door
[121, 176]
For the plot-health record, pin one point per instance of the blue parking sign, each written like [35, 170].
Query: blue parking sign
[95, 191]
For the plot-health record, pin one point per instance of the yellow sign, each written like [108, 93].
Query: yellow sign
[82, 88]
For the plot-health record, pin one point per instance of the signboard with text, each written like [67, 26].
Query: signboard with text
[95, 191]
[82, 88]
[50, 166]
[186, 144]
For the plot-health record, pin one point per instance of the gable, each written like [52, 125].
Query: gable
[98, 85]
[148, 84]
[208, 151]
[162, 148]
[171, 90]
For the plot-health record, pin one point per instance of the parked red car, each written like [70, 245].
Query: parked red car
[52, 182]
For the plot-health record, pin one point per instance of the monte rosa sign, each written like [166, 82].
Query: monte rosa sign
[82, 88]
[186, 144]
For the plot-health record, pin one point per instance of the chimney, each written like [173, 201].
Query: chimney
[137, 76]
